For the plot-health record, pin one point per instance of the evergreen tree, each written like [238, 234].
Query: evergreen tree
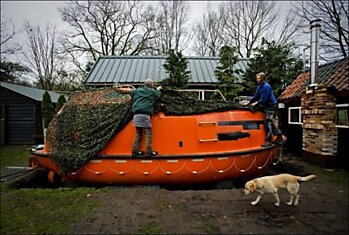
[226, 74]
[60, 103]
[11, 72]
[277, 62]
[47, 109]
[177, 68]
[89, 66]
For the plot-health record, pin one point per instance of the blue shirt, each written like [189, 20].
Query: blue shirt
[264, 95]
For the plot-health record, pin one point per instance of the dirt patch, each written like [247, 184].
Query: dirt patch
[323, 208]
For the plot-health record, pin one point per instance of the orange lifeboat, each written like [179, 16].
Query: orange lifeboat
[193, 149]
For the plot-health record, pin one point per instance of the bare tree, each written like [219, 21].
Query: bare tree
[334, 36]
[243, 24]
[246, 22]
[208, 38]
[172, 19]
[289, 30]
[40, 55]
[107, 28]
[10, 71]
[7, 33]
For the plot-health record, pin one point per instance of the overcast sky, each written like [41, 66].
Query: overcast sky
[42, 12]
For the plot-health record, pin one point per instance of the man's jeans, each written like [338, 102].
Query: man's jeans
[138, 138]
[269, 122]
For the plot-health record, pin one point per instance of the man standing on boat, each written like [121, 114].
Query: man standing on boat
[143, 100]
[264, 98]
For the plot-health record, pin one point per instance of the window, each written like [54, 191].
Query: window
[342, 111]
[295, 115]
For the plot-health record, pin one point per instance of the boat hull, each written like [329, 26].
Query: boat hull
[193, 149]
[181, 170]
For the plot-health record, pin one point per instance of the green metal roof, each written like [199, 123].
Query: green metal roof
[109, 70]
[33, 93]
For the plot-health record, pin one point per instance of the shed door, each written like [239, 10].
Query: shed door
[20, 125]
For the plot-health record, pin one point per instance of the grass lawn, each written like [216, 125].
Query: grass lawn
[55, 210]
[14, 155]
[40, 210]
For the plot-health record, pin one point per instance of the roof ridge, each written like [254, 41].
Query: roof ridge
[30, 92]
[163, 56]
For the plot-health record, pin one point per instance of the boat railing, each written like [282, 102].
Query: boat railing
[202, 93]
[242, 99]
[123, 86]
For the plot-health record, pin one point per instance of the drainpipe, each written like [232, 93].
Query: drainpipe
[314, 51]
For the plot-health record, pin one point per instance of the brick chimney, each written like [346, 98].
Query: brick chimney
[318, 112]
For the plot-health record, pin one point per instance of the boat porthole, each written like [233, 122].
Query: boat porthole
[180, 144]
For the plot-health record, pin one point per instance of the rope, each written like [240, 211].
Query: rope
[174, 171]
[196, 172]
[242, 170]
[226, 169]
[279, 158]
[148, 173]
[97, 172]
[123, 172]
[183, 165]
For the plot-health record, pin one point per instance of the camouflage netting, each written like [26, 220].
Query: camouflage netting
[90, 119]
[180, 103]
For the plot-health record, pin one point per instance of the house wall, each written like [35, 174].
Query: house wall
[319, 125]
[19, 118]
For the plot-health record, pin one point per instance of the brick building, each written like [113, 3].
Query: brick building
[315, 118]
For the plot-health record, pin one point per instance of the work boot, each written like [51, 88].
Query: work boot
[279, 140]
[137, 153]
[266, 144]
[151, 154]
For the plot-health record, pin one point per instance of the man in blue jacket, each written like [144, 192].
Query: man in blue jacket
[264, 97]
[143, 100]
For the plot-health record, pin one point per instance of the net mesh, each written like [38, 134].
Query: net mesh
[90, 119]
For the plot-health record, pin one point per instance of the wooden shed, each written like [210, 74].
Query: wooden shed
[20, 114]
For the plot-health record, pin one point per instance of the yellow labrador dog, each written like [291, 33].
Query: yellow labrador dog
[271, 184]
